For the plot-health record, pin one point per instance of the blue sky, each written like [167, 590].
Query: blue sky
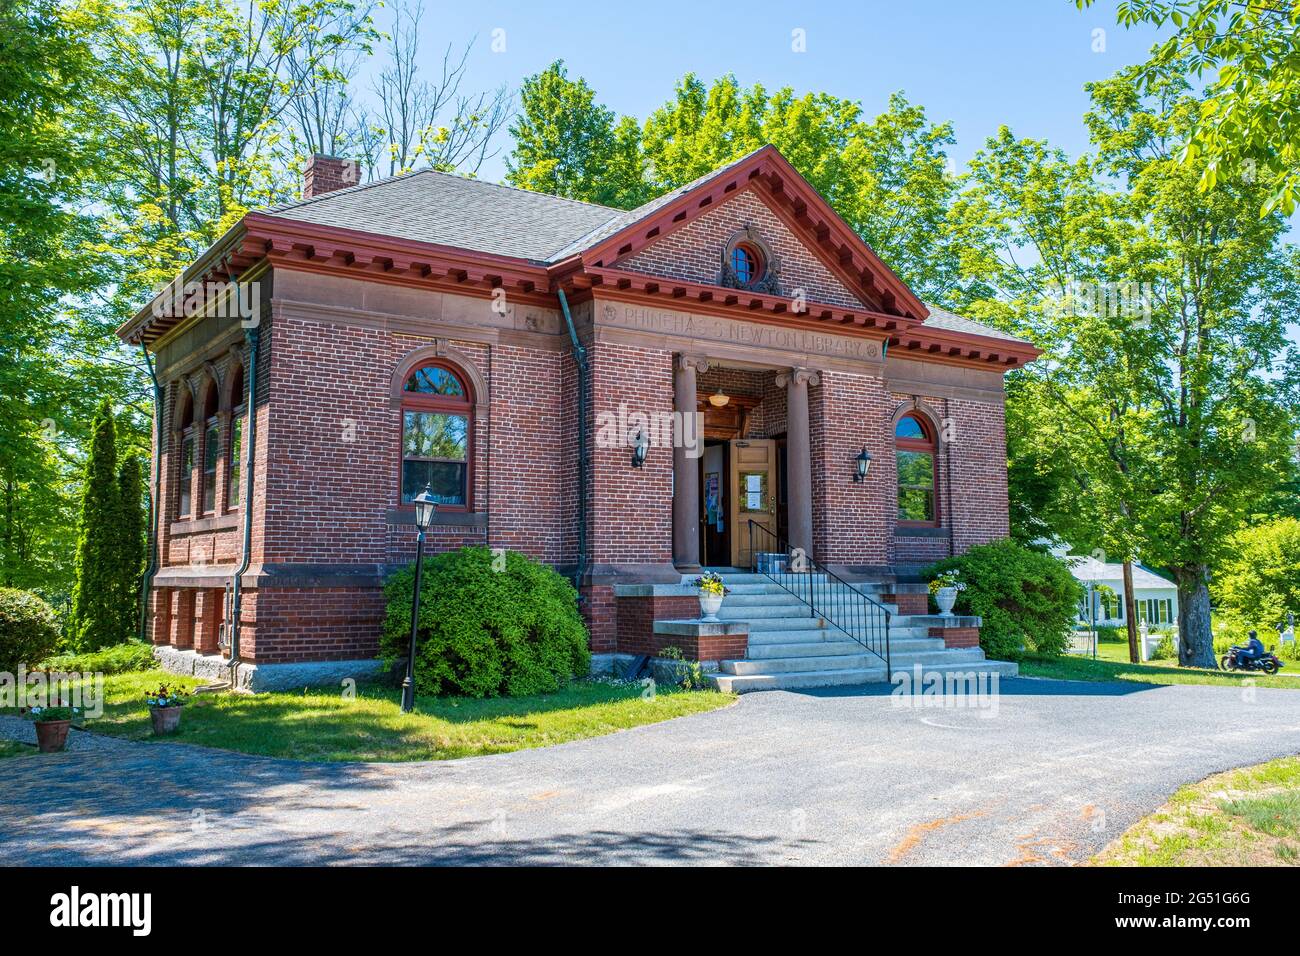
[979, 64]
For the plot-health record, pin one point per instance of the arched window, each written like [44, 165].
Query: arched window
[185, 474]
[211, 448]
[237, 400]
[915, 446]
[437, 425]
[746, 263]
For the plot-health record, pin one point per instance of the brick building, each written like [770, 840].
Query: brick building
[327, 359]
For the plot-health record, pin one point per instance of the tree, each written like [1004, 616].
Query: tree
[1258, 580]
[1163, 311]
[96, 605]
[45, 377]
[567, 144]
[888, 178]
[131, 528]
[1248, 122]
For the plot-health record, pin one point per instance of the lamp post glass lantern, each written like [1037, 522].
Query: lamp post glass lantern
[640, 445]
[862, 463]
[425, 508]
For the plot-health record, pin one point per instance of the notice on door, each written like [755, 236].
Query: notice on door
[753, 490]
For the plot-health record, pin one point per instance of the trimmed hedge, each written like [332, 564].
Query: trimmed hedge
[1028, 599]
[510, 631]
[29, 630]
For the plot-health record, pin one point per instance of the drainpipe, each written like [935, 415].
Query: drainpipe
[579, 357]
[155, 513]
[252, 335]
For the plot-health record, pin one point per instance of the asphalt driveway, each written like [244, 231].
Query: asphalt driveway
[1049, 775]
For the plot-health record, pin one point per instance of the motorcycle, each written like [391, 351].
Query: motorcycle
[1267, 662]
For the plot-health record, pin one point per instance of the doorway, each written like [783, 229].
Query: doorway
[740, 481]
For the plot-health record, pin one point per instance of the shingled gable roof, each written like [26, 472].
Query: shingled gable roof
[456, 212]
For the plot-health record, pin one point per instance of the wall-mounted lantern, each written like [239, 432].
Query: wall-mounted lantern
[640, 445]
[863, 463]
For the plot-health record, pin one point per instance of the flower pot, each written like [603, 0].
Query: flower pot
[709, 604]
[945, 598]
[166, 720]
[51, 735]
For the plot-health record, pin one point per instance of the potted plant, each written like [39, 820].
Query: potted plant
[52, 724]
[945, 589]
[165, 709]
[712, 591]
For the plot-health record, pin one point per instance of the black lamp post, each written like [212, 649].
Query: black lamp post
[863, 462]
[425, 506]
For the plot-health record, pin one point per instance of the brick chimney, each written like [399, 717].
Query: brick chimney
[327, 173]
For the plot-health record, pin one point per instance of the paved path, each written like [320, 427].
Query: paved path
[842, 775]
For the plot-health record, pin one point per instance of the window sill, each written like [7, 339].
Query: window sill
[919, 531]
[445, 519]
[209, 523]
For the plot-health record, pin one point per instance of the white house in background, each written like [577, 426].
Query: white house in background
[1155, 597]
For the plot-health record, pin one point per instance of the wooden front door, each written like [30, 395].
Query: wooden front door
[751, 496]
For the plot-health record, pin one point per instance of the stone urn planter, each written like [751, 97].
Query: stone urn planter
[945, 598]
[711, 592]
[710, 604]
[52, 735]
[166, 720]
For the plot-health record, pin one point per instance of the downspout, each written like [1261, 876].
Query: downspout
[580, 358]
[252, 334]
[155, 513]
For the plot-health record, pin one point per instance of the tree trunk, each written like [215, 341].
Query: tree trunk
[1130, 615]
[1196, 644]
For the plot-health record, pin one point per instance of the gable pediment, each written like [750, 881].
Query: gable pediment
[831, 257]
[787, 264]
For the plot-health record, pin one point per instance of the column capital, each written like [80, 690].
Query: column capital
[696, 363]
[798, 376]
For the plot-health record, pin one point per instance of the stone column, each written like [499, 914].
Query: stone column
[686, 474]
[798, 454]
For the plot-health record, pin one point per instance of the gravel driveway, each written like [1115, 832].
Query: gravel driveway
[842, 775]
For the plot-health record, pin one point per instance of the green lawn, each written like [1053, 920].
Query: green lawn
[1246, 817]
[1112, 664]
[322, 724]
[11, 748]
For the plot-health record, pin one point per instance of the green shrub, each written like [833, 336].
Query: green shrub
[1165, 649]
[118, 659]
[1028, 599]
[484, 632]
[29, 630]
[1111, 635]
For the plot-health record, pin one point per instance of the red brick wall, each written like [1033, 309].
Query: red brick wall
[851, 520]
[979, 473]
[631, 508]
[694, 252]
[636, 617]
[311, 624]
[957, 636]
[908, 603]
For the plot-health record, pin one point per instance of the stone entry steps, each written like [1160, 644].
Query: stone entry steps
[791, 649]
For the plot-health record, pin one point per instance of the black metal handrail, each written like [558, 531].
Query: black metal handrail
[828, 596]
